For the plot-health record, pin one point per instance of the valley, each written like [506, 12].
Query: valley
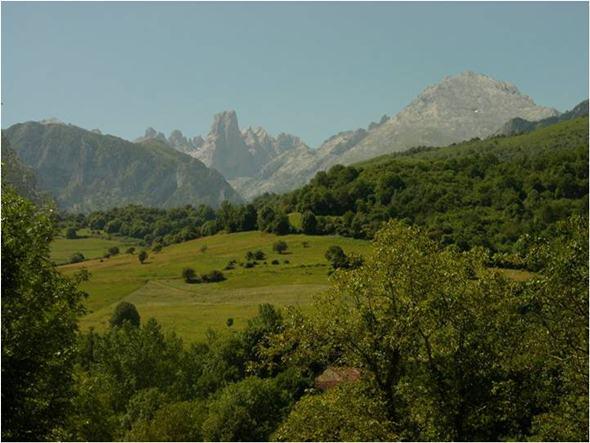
[157, 290]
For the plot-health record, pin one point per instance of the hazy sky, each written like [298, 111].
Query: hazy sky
[310, 69]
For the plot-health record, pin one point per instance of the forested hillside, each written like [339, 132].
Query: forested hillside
[478, 193]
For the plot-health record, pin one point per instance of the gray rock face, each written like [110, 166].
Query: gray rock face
[225, 149]
[458, 108]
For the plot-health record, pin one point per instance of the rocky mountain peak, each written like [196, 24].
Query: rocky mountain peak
[225, 124]
[177, 139]
[457, 108]
[150, 133]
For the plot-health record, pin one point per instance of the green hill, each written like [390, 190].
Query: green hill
[86, 171]
[157, 289]
[478, 193]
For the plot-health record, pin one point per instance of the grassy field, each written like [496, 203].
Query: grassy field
[91, 246]
[157, 289]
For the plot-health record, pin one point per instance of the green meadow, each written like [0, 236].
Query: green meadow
[91, 246]
[158, 290]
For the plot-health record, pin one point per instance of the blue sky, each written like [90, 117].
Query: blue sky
[310, 69]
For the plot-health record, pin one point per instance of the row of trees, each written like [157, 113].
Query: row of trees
[167, 226]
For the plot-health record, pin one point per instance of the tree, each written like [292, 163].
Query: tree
[265, 220]
[430, 328]
[77, 257]
[309, 223]
[189, 275]
[130, 250]
[142, 257]
[344, 413]
[71, 233]
[113, 250]
[336, 256]
[213, 276]
[125, 312]
[280, 225]
[280, 246]
[180, 421]
[40, 307]
[245, 411]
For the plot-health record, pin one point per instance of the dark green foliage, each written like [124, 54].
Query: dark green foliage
[125, 313]
[248, 410]
[189, 275]
[77, 257]
[39, 312]
[229, 322]
[478, 193]
[130, 250]
[142, 256]
[114, 250]
[274, 262]
[280, 246]
[157, 248]
[71, 233]
[213, 276]
[453, 350]
[337, 258]
[309, 223]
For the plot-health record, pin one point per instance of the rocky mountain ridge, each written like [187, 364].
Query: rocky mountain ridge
[86, 171]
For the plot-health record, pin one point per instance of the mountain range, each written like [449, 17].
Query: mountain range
[86, 170]
[458, 108]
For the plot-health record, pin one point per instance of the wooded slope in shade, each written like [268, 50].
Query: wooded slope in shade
[85, 171]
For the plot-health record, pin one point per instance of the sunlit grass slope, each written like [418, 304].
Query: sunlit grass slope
[89, 245]
[157, 289]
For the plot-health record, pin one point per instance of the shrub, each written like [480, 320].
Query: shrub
[336, 256]
[305, 244]
[130, 250]
[125, 312]
[249, 264]
[259, 255]
[229, 322]
[309, 223]
[280, 246]
[143, 255]
[157, 247]
[189, 275]
[213, 276]
[77, 257]
[114, 250]
[274, 262]
[286, 262]
[71, 233]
